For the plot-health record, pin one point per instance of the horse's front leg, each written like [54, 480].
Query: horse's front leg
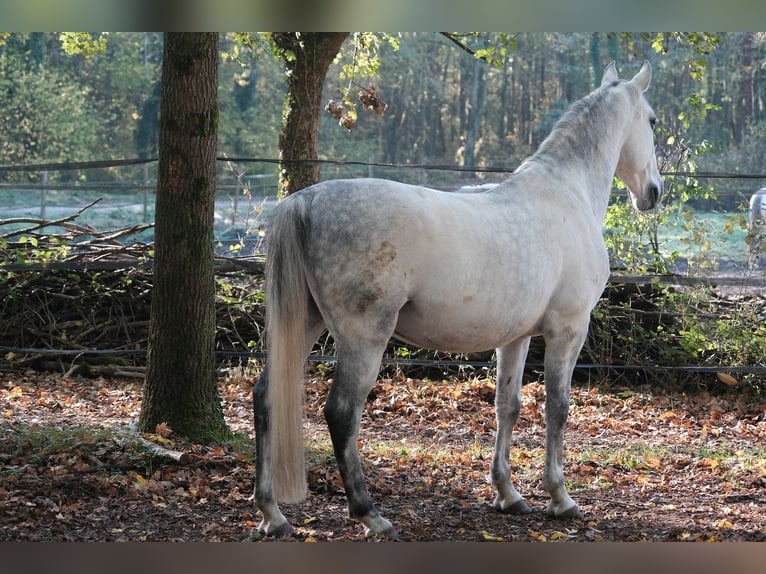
[560, 356]
[354, 377]
[510, 370]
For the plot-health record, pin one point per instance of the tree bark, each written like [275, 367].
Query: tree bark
[180, 387]
[745, 111]
[478, 97]
[307, 57]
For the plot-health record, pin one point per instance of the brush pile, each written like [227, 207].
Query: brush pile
[77, 300]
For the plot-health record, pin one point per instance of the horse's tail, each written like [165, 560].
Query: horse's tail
[286, 318]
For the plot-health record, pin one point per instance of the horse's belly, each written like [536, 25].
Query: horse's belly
[459, 331]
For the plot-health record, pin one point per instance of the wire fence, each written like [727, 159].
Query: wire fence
[248, 193]
[74, 354]
[243, 198]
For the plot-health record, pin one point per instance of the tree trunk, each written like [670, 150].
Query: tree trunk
[180, 387]
[745, 112]
[478, 97]
[502, 124]
[307, 57]
[594, 49]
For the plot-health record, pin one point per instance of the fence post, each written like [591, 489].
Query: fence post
[146, 190]
[44, 195]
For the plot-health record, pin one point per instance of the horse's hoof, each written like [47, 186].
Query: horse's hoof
[518, 507]
[377, 526]
[388, 533]
[279, 531]
[572, 513]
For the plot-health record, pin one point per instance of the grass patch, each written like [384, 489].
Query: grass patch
[84, 449]
[41, 442]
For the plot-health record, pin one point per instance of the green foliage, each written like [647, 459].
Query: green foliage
[44, 117]
[55, 107]
[717, 334]
[239, 47]
[28, 249]
[250, 99]
[423, 77]
[83, 43]
[694, 45]
[358, 58]
[632, 239]
[365, 59]
[698, 110]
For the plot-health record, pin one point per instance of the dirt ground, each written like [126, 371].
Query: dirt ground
[642, 467]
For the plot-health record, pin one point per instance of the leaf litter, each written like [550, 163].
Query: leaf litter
[655, 467]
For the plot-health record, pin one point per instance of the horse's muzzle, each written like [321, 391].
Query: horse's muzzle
[654, 193]
[649, 199]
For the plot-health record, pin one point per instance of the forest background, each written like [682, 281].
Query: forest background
[445, 106]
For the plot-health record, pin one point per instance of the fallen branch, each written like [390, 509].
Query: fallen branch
[612, 501]
[41, 223]
[162, 452]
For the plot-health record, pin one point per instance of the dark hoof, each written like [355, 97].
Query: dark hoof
[518, 507]
[569, 514]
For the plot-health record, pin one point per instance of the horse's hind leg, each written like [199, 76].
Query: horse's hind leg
[355, 374]
[274, 522]
[510, 370]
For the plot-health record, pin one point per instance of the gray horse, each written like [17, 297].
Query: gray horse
[370, 259]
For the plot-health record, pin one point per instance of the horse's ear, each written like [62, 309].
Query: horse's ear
[610, 74]
[644, 77]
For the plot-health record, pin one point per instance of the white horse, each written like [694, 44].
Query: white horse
[371, 259]
[756, 226]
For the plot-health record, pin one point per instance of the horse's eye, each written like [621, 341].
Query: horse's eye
[653, 122]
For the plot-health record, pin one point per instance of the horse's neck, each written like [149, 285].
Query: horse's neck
[584, 158]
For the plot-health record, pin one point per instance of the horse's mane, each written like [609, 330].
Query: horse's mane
[577, 132]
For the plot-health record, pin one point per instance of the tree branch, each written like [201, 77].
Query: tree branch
[451, 37]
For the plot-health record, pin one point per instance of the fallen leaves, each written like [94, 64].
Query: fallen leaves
[665, 467]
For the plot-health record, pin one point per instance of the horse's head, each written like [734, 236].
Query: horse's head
[637, 166]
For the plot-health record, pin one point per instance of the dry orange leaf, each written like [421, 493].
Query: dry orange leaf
[727, 379]
[163, 429]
